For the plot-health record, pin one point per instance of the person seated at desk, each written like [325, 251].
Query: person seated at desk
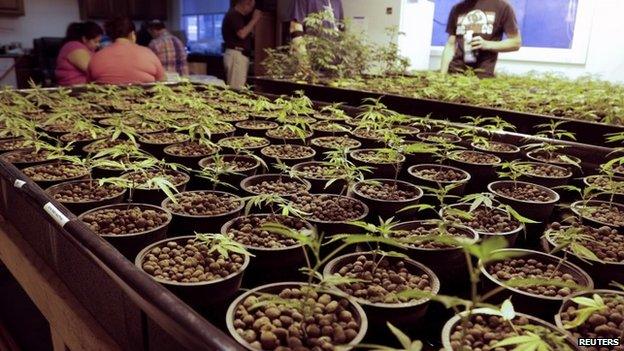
[81, 41]
[124, 62]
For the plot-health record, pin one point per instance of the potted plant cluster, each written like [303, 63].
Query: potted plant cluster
[334, 238]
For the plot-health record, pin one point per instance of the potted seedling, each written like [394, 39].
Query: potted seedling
[225, 172]
[484, 128]
[153, 180]
[549, 151]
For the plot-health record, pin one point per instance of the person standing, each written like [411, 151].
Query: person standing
[169, 49]
[236, 30]
[475, 29]
[300, 11]
[81, 41]
[124, 62]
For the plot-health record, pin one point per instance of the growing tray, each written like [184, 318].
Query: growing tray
[586, 132]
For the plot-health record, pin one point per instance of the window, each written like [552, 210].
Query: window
[202, 21]
[552, 30]
[204, 31]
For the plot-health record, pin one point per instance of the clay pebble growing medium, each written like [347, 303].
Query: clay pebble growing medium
[55, 171]
[336, 142]
[190, 149]
[546, 170]
[386, 191]
[520, 268]
[329, 208]
[189, 262]
[420, 237]
[273, 326]
[288, 151]
[440, 174]
[496, 147]
[163, 138]
[26, 156]
[282, 186]
[124, 221]
[381, 279]
[604, 323]
[525, 192]
[248, 231]
[142, 178]
[604, 213]
[200, 203]
[475, 157]
[605, 242]
[83, 191]
[485, 220]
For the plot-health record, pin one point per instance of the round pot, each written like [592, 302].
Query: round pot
[287, 161]
[448, 263]
[379, 170]
[418, 180]
[48, 183]
[12, 144]
[618, 196]
[330, 228]
[576, 172]
[186, 223]
[549, 182]
[319, 185]
[387, 208]
[537, 305]
[83, 206]
[568, 302]
[448, 328]
[280, 140]
[535, 210]
[157, 148]
[270, 265]
[511, 236]
[482, 173]
[426, 137]
[198, 294]
[253, 149]
[321, 149]
[131, 244]
[233, 179]
[275, 288]
[78, 145]
[254, 128]
[401, 315]
[368, 142]
[23, 164]
[156, 196]
[187, 161]
[258, 179]
[577, 208]
[324, 133]
[602, 272]
[503, 155]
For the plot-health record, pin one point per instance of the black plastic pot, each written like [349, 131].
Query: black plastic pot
[549, 182]
[253, 128]
[271, 160]
[83, 206]
[78, 145]
[388, 208]
[425, 137]
[254, 149]
[21, 164]
[448, 328]
[212, 293]
[511, 236]
[156, 196]
[186, 223]
[577, 172]
[131, 244]
[44, 184]
[537, 305]
[5, 145]
[157, 149]
[617, 197]
[588, 294]
[418, 180]
[271, 265]
[402, 315]
[449, 263]
[188, 161]
[276, 288]
[379, 170]
[280, 140]
[482, 174]
[270, 177]
[317, 144]
[603, 273]
[577, 208]
[503, 155]
[367, 141]
[330, 228]
[232, 179]
[318, 132]
[319, 185]
[535, 210]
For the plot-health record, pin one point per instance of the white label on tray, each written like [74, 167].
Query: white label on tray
[19, 183]
[57, 215]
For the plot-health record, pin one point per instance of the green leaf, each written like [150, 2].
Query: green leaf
[405, 341]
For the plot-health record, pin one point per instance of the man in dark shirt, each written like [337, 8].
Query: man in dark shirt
[475, 29]
[236, 30]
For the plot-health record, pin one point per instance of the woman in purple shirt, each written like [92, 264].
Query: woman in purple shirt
[81, 41]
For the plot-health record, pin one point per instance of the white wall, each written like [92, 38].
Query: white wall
[375, 19]
[605, 54]
[43, 18]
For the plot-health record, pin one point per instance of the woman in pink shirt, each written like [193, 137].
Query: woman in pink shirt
[81, 41]
[124, 62]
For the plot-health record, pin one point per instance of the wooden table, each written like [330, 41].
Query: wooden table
[71, 326]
